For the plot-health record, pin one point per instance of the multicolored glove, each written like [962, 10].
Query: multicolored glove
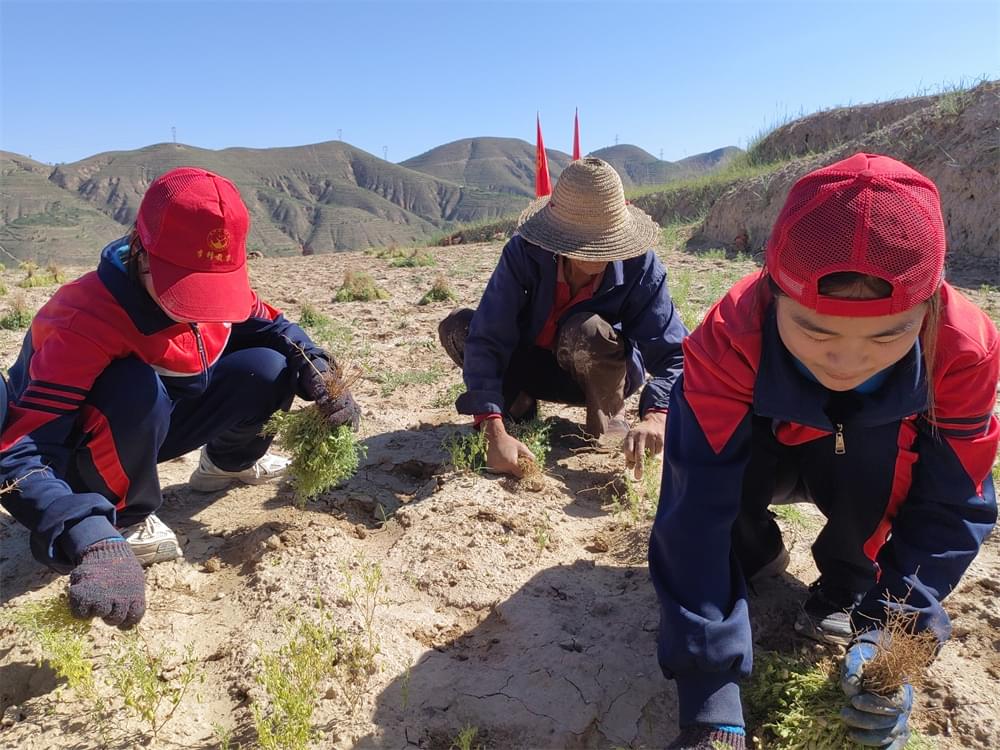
[108, 583]
[339, 411]
[706, 737]
[873, 720]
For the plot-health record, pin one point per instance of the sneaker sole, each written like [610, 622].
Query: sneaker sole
[806, 627]
[214, 484]
[162, 552]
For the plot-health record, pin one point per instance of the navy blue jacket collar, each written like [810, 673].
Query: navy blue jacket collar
[781, 392]
[147, 316]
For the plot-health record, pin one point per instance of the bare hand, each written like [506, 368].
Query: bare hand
[502, 450]
[645, 438]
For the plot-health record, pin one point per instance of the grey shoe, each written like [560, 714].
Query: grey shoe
[826, 615]
[151, 541]
[209, 478]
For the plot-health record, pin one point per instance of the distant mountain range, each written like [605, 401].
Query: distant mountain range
[302, 200]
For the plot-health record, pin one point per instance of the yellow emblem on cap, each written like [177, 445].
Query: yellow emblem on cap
[219, 239]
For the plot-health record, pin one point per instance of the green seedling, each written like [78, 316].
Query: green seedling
[448, 398]
[136, 674]
[391, 380]
[464, 739]
[467, 451]
[636, 502]
[412, 259]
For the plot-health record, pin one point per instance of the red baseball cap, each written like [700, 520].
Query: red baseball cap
[868, 214]
[194, 224]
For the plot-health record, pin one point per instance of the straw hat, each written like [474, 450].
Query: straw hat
[587, 218]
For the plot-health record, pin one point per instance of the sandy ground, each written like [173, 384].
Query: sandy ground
[528, 615]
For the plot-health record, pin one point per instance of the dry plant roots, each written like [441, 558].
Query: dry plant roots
[903, 655]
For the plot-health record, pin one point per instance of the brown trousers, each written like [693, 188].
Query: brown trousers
[586, 368]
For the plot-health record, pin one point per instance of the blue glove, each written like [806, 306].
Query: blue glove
[873, 720]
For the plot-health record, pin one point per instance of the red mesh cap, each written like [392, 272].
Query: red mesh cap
[868, 214]
[194, 225]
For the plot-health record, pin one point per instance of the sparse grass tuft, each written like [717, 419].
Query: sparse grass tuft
[791, 515]
[535, 435]
[637, 500]
[323, 329]
[412, 259]
[449, 397]
[392, 379]
[35, 277]
[464, 739]
[136, 674]
[440, 291]
[62, 639]
[359, 287]
[18, 315]
[290, 679]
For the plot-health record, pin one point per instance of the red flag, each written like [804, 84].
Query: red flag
[576, 135]
[543, 186]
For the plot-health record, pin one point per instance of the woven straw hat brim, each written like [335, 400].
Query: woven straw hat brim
[630, 239]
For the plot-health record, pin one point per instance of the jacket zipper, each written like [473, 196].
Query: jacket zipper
[839, 446]
[201, 352]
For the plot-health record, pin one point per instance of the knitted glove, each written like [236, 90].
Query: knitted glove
[339, 411]
[108, 583]
[873, 720]
[704, 737]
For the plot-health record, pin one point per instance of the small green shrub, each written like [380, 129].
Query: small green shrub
[63, 642]
[136, 676]
[290, 679]
[792, 515]
[18, 315]
[359, 287]
[636, 501]
[323, 329]
[440, 291]
[35, 277]
[467, 450]
[321, 457]
[534, 434]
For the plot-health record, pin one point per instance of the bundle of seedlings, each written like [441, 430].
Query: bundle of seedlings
[322, 456]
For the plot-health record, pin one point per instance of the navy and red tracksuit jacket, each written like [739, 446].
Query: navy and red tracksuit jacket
[927, 472]
[633, 296]
[87, 324]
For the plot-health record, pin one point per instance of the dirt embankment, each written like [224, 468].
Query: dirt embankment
[952, 138]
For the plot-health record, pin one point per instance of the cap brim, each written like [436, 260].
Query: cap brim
[221, 297]
[634, 237]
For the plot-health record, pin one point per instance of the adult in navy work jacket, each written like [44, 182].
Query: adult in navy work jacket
[163, 349]
[850, 374]
[577, 311]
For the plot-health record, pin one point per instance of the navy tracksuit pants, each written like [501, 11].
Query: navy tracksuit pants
[142, 424]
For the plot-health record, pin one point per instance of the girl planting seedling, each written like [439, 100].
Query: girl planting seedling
[851, 375]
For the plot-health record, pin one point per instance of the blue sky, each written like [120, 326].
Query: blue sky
[78, 78]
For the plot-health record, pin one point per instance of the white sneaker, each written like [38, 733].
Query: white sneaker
[152, 541]
[208, 477]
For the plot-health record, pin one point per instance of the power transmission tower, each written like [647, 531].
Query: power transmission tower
[173, 133]
[616, 139]
[385, 153]
[661, 154]
[340, 134]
